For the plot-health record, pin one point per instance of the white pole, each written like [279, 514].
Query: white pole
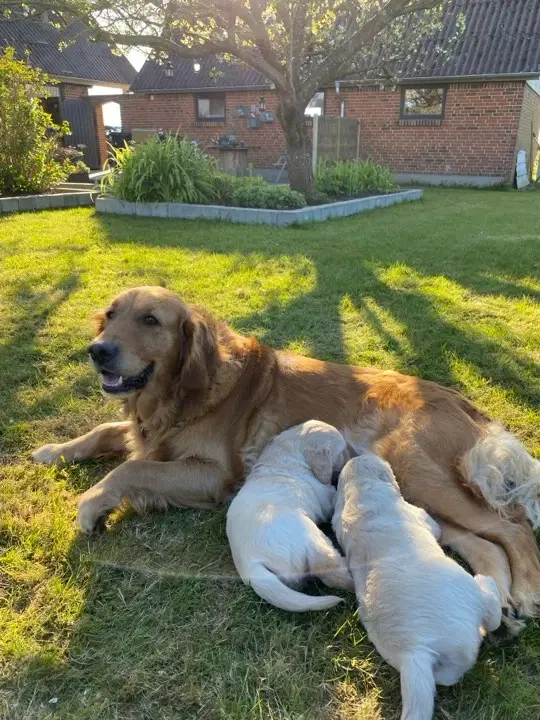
[315, 143]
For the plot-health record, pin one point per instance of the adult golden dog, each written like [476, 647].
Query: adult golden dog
[202, 401]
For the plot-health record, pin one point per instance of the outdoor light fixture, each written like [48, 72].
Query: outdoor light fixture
[262, 105]
[169, 70]
[196, 66]
[336, 85]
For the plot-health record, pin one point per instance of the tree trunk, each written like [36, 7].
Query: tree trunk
[291, 116]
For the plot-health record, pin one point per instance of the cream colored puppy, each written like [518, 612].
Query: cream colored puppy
[423, 612]
[272, 522]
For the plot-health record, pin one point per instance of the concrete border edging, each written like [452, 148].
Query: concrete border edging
[316, 213]
[26, 203]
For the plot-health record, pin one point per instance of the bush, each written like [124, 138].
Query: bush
[225, 185]
[29, 140]
[262, 195]
[347, 178]
[168, 170]
[317, 198]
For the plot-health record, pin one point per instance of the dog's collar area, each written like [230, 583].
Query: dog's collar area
[114, 384]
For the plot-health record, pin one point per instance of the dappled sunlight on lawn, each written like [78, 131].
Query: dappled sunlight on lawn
[150, 619]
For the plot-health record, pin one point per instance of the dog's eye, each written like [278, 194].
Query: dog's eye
[150, 320]
[109, 314]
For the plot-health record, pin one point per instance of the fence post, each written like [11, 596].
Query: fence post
[338, 137]
[315, 143]
[358, 140]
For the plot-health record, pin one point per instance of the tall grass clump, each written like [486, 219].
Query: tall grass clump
[347, 178]
[168, 170]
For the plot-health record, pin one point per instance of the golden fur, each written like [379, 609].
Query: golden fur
[216, 398]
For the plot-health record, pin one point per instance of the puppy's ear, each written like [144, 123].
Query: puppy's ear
[199, 354]
[319, 458]
[98, 321]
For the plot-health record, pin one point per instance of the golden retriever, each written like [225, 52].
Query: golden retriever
[203, 401]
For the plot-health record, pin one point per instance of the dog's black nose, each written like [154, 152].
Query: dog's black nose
[103, 351]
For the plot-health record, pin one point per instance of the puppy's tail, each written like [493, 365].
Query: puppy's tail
[269, 586]
[417, 685]
[502, 470]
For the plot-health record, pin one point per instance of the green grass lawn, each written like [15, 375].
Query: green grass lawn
[149, 621]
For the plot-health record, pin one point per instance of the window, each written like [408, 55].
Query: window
[426, 102]
[211, 107]
[315, 105]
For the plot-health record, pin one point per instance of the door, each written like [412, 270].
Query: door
[80, 116]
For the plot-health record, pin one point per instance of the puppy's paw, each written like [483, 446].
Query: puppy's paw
[51, 454]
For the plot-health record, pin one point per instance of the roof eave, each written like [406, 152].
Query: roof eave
[438, 79]
[87, 81]
[184, 91]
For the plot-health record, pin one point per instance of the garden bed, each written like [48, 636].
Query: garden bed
[47, 201]
[317, 213]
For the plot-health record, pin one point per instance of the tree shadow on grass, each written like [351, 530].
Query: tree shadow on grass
[486, 266]
[21, 355]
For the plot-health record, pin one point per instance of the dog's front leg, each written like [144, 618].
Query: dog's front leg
[105, 439]
[150, 484]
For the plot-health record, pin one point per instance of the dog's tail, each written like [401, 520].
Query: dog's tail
[417, 685]
[502, 470]
[269, 586]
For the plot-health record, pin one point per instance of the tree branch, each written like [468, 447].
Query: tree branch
[327, 71]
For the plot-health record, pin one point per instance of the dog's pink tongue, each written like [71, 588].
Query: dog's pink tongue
[110, 380]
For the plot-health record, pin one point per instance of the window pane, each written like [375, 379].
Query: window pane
[204, 107]
[316, 105]
[217, 106]
[423, 101]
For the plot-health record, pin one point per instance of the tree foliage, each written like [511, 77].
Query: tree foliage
[28, 137]
[299, 45]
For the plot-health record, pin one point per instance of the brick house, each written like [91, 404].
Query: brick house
[463, 120]
[76, 67]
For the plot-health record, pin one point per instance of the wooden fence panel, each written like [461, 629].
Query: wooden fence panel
[335, 138]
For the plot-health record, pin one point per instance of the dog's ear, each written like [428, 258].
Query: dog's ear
[98, 321]
[199, 353]
[320, 461]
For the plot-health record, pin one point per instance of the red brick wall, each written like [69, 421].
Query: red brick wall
[476, 137]
[177, 112]
[68, 91]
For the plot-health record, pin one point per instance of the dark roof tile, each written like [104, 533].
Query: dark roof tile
[212, 74]
[501, 37]
[80, 59]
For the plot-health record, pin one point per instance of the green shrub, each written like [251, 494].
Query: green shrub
[262, 195]
[225, 185]
[317, 198]
[29, 139]
[347, 178]
[169, 170]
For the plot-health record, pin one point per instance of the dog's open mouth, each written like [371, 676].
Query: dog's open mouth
[112, 383]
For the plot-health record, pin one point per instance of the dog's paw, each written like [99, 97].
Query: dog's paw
[48, 455]
[91, 516]
[510, 627]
